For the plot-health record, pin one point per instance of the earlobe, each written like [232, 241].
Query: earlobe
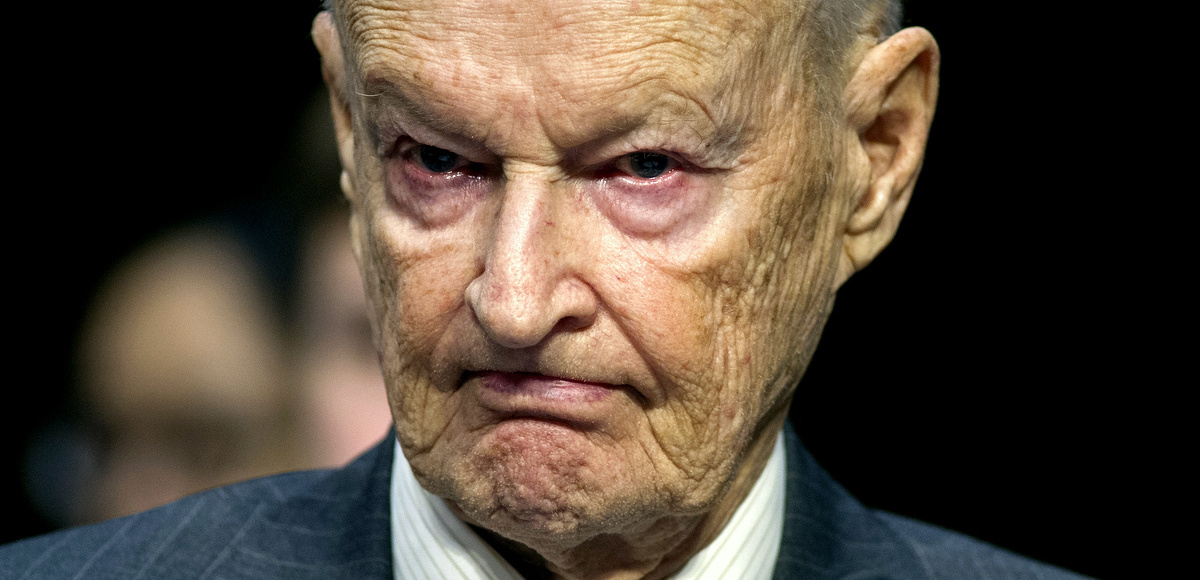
[889, 102]
[333, 69]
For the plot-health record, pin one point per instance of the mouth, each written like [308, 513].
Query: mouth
[518, 395]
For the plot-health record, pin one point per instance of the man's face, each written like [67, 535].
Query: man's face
[593, 265]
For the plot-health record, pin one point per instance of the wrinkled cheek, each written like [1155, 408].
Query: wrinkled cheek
[684, 322]
[418, 403]
[718, 404]
[701, 429]
[416, 291]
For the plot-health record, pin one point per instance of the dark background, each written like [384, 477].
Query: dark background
[1001, 369]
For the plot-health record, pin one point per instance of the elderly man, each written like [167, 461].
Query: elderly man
[599, 242]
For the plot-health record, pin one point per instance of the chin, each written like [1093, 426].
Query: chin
[541, 482]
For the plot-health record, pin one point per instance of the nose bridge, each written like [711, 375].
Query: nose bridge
[527, 287]
[518, 257]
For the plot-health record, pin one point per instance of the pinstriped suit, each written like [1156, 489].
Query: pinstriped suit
[336, 524]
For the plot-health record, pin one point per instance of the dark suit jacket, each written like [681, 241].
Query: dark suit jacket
[336, 524]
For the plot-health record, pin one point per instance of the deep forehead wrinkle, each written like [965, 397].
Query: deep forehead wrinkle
[660, 63]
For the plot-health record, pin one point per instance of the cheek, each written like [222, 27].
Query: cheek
[695, 310]
[682, 296]
[416, 280]
[418, 290]
[423, 296]
[686, 326]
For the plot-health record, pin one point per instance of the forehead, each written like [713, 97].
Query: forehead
[555, 63]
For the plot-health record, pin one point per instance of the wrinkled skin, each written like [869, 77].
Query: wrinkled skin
[581, 358]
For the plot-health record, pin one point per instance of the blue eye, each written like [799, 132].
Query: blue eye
[437, 160]
[648, 165]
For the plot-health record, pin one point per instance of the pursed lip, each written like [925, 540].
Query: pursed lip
[532, 395]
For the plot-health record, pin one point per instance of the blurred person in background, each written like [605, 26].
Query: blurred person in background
[184, 376]
[193, 375]
[190, 381]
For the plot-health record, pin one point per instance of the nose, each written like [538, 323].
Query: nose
[531, 286]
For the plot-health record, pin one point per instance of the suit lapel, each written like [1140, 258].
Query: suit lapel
[827, 534]
[336, 527]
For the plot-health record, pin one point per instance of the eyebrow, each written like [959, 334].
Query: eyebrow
[387, 100]
[391, 106]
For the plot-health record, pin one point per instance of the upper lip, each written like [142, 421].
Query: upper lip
[541, 378]
[536, 368]
[553, 360]
[610, 382]
[537, 395]
[515, 373]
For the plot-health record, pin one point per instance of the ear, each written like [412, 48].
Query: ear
[889, 102]
[333, 68]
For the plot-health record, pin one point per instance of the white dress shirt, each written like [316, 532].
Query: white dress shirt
[428, 541]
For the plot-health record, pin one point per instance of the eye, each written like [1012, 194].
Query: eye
[433, 185]
[648, 164]
[437, 160]
[648, 192]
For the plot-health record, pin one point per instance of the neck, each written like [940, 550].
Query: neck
[656, 551]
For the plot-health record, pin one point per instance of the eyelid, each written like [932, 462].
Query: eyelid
[404, 142]
[595, 160]
[690, 147]
[405, 146]
[623, 162]
[405, 149]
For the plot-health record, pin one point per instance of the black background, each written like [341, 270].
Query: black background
[1001, 369]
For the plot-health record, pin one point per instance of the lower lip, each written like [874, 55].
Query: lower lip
[534, 388]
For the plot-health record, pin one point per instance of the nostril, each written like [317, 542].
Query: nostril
[572, 324]
[575, 304]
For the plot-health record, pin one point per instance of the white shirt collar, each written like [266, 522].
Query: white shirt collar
[428, 541]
